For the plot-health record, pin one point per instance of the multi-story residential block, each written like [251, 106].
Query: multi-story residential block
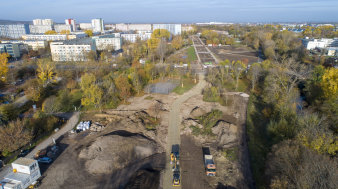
[32, 44]
[108, 42]
[56, 37]
[187, 28]
[10, 48]
[60, 27]
[14, 31]
[72, 23]
[174, 29]
[133, 37]
[310, 44]
[40, 29]
[133, 27]
[86, 26]
[40, 22]
[73, 50]
[98, 25]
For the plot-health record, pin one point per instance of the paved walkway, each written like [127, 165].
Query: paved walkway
[69, 126]
[174, 128]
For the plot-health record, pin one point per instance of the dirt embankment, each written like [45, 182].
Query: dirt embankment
[224, 135]
[128, 153]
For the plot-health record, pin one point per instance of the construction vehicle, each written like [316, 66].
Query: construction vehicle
[176, 178]
[210, 167]
[175, 150]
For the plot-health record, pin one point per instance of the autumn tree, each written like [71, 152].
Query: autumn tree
[34, 90]
[3, 66]
[50, 32]
[161, 33]
[92, 93]
[123, 86]
[67, 32]
[254, 72]
[13, 136]
[177, 42]
[91, 55]
[89, 32]
[237, 69]
[46, 72]
[330, 83]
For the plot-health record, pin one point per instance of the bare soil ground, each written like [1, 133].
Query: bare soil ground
[234, 53]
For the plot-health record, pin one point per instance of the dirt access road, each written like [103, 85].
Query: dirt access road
[174, 128]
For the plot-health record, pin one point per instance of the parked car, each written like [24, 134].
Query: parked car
[45, 160]
[23, 153]
[40, 154]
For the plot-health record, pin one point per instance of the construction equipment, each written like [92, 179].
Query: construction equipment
[210, 167]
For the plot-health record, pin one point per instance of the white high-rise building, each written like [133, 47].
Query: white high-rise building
[174, 29]
[45, 22]
[71, 22]
[61, 27]
[98, 25]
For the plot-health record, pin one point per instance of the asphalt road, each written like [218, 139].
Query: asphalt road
[174, 128]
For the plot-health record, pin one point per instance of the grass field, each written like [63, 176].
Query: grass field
[188, 83]
[191, 54]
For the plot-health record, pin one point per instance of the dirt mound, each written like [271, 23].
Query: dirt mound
[197, 111]
[227, 135]
[144, 179]
[110, 153]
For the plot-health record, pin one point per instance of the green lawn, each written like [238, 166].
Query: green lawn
[188, 83]
[191, 54]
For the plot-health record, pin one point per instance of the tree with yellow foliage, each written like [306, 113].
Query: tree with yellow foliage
[160, 33]
[330, 83]
[177, 42]
[67, 32]
[50, 32]
[89, 32]
[46, 74]
[3, 66]
[237, 69]
[92, 94]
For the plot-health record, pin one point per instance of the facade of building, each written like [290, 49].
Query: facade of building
[98, 25]
[40, 29]
[323, 43]
[60, 27]
[72, 24]
[11, 48]
[56, 37]
[39, 22]
[187, 28]
[32, 44]
[24, 172]
[14, 30]
[332, 51]
[73, 50]
[133, 37]
[86, 26]
[174, 29]
[133, 27]
[108, 42]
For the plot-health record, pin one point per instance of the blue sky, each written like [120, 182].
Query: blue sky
[178, 11]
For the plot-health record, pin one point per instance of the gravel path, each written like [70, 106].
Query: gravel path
[174, 128]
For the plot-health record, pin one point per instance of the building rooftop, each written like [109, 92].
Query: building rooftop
[83, 41]
[24, 161]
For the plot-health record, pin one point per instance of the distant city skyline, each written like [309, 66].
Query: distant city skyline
[172, 11]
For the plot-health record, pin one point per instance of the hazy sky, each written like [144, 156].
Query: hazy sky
[183, 11]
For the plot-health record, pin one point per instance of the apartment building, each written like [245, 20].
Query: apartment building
[86, 26]
[311, 44]
[12, 49]
[187, 28]
[31, 44]
[56, 37]
[133, 37]
[45, 22]
[60, 27]
[174, 29]
[133, 27]
[98, 25]
[72, 50]
[40, 29]
[14, 30]
[108, 42]
[72, 24]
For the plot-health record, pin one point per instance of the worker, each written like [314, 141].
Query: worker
[172, 158]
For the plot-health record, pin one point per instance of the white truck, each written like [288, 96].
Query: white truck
[25, 172]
